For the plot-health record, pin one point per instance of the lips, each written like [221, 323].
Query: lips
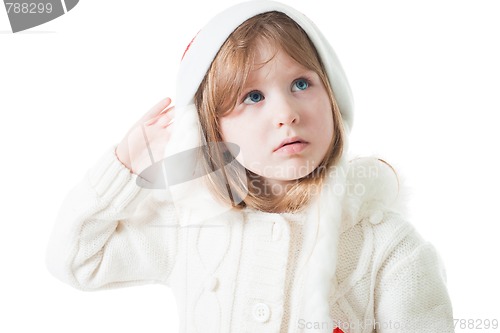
[290, 141]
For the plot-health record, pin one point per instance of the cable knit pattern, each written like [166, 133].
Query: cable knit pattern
[296, 222]
[243, 270]
[106, 233]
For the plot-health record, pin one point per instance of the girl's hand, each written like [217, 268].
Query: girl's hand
[145, 142]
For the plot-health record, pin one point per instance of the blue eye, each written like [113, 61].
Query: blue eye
[253, 97]
[300, 84]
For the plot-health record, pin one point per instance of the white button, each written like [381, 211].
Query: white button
[261, 312]
[376, 217]
[277, 231]
[212, 284]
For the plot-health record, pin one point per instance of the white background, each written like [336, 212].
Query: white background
[426, 81]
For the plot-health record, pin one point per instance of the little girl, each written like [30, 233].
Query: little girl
[247, 205]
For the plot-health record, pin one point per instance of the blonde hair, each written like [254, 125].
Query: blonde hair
[218, 94]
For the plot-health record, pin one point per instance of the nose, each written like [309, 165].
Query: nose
[286, 112]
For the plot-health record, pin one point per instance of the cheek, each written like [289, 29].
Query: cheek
[324, 125]
[328, 114]
[228, 128]
[233, 131]
[230, 131]
[240, 129]
[245, 138]
[324, 118]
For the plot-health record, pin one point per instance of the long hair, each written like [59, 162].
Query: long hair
[217, 95]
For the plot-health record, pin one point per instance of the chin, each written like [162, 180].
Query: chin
[293, 172]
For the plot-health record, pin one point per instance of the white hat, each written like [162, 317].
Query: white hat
[204, 47]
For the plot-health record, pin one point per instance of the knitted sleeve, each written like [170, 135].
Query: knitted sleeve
[110, 232]
[411, 294]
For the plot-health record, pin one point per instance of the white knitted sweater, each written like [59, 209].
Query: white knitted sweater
[244, 271]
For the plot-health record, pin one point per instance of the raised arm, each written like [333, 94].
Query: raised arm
[110, 231]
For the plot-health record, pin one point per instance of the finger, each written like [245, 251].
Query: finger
[158, 108]
[164, 113]
[168, 109]
[165, 121]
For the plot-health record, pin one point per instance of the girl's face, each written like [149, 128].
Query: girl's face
[283, 122]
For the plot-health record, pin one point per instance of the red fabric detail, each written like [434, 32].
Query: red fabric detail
[337, 330]
[187, 48]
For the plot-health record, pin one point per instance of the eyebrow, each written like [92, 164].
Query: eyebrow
[297, 74]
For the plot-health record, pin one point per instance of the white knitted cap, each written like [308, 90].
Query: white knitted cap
[204, 47]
